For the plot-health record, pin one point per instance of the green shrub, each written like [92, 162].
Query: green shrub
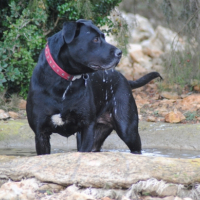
[20, 46]
[25, 25]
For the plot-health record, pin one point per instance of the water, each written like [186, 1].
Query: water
[170, 153]
[63, 98]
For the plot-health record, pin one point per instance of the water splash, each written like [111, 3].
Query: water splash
[104, 77]
[65, 92]
[115, 104]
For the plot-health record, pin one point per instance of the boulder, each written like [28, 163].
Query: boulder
[105, 169]
[151, 119]
[197, 88]
[169, 95]
[105, 174]
[174, 117]
[164, 40]
[153, 51]
[191, 102]
[139, 71]
[125, 66]
[139, 26]
[22, 104]
[23, 190]
[13, 115]
[4, 115]
[163, 110]
[191, 99]
[142, 59]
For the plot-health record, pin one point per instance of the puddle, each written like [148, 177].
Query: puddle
[171, 153]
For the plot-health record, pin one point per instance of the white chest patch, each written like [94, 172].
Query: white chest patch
[57, 120]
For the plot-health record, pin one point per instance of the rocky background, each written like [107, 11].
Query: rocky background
[148, 50]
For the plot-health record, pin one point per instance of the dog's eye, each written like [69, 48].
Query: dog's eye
[96, 40]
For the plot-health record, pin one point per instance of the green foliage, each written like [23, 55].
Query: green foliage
[20, 46]
[191, 115]
[25, 25]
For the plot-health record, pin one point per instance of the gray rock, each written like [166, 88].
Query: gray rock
[109, 171]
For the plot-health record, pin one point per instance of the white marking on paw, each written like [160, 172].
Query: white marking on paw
[57, 120]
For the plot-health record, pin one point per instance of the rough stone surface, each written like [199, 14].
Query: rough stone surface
[139, 26]
[13, 115]
[99, 175]
[151, 119]
[174, 117]
[3, 115]
[106, 169]
[169, 95]
[197, 88]
[22, 104]
[191, 100]
[23, 190]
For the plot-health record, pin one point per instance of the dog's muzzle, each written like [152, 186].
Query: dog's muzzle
[118, 53]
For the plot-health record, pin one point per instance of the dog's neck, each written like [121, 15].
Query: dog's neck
[57, 69]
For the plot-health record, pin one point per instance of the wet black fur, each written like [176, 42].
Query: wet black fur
[91, 108]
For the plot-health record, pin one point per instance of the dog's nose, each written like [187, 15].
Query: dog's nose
[118, 53]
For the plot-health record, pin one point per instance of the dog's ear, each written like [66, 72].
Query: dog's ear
[69, 31]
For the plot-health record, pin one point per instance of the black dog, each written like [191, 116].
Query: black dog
[74, 88]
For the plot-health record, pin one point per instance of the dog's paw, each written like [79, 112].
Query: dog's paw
[57, 120]
[136, 152]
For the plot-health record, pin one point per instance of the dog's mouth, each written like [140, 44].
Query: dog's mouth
[98, 67]
[95, 67]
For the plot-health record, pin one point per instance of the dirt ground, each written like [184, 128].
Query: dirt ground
[153, 105]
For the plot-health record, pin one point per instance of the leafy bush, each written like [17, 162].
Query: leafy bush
[20, 46]
[25, 25]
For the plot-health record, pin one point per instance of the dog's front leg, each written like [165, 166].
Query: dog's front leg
[78, 140]
[42, 144]
[87, 138]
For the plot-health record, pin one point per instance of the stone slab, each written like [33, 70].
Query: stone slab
[100, 170]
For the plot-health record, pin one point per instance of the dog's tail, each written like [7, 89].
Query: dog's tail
[144, 80]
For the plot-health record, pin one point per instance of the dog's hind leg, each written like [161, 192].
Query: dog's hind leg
[125, 117]
[129, 134]
[102, 131]
[86, 138]
[42, 141]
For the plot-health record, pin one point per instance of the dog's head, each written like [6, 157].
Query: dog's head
[84, 46]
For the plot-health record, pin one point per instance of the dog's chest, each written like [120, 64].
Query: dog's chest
[79, 116]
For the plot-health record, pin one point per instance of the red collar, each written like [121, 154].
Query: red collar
[55, 67]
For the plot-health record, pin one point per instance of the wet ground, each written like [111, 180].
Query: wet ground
[171, 153]
[158, 139]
